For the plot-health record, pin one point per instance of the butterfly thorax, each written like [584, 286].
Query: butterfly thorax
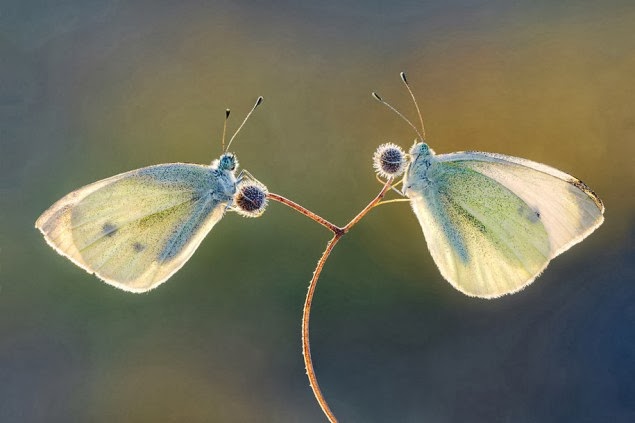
[225, 178]
[416, 177]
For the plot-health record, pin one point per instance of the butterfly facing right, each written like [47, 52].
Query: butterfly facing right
[136, 229]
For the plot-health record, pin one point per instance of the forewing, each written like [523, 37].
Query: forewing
[568, 208]
[486, 240]
[136, 229]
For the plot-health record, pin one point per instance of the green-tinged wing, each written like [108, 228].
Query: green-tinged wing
[568, 208]
[486, 241]
[493, 222]
[136, 229]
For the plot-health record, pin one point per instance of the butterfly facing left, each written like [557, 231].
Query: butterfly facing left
[492, 222]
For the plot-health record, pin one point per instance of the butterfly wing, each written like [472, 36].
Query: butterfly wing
[493, 222]
[136, 229]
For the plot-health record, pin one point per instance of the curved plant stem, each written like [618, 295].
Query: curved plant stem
[370, 205]
[338, 233]
[295, 206]
[306, 315]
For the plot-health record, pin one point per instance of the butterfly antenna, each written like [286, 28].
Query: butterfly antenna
[258, 102]
[381, 100]
[225, 128]
[414, 100]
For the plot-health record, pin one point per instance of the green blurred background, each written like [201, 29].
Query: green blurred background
[89, 89]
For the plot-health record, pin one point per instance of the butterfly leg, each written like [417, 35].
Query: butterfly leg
[245, 172]
[395, 200]
[392, 186]
[230, 206]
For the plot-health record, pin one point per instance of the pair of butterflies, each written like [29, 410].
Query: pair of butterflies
[492, 222]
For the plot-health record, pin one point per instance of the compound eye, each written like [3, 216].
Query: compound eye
[228, 162]
[251, 198]
[389, 160]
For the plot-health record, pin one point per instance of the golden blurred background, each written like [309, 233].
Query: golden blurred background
[89, 89]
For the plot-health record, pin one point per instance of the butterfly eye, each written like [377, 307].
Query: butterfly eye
[420, 149]
[389, 160]
[251, 199]
[228, 162]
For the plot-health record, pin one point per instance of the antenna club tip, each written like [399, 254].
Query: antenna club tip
[376, 96]
[259, 100]
[227, 111]
[403, 77]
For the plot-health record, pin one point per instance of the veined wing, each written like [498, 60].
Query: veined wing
[568, 208]
[486, 241]
[134, 230]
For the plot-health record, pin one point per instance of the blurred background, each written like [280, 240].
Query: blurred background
[89, 89]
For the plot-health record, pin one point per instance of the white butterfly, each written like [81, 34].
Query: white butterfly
[492, 222]
[136, 229]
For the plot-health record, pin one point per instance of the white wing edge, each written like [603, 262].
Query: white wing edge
[53, 215]
[78, 195]
[502, 158]
[458, 287]
[493, 296]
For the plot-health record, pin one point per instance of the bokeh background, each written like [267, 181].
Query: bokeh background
[89, 89]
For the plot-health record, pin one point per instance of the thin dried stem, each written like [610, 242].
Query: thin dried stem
[306, 315]
[370, 205]
[338, 233]
[306, 312]
[308, 213]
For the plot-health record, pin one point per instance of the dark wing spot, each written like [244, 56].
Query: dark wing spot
[533, 215]
[138, 247]
[109, 229]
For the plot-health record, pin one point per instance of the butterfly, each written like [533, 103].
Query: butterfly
[492, 222]
[136, 229]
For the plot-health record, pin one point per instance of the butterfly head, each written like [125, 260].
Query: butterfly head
[420, 148]
[421, 157]
[228, 161]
